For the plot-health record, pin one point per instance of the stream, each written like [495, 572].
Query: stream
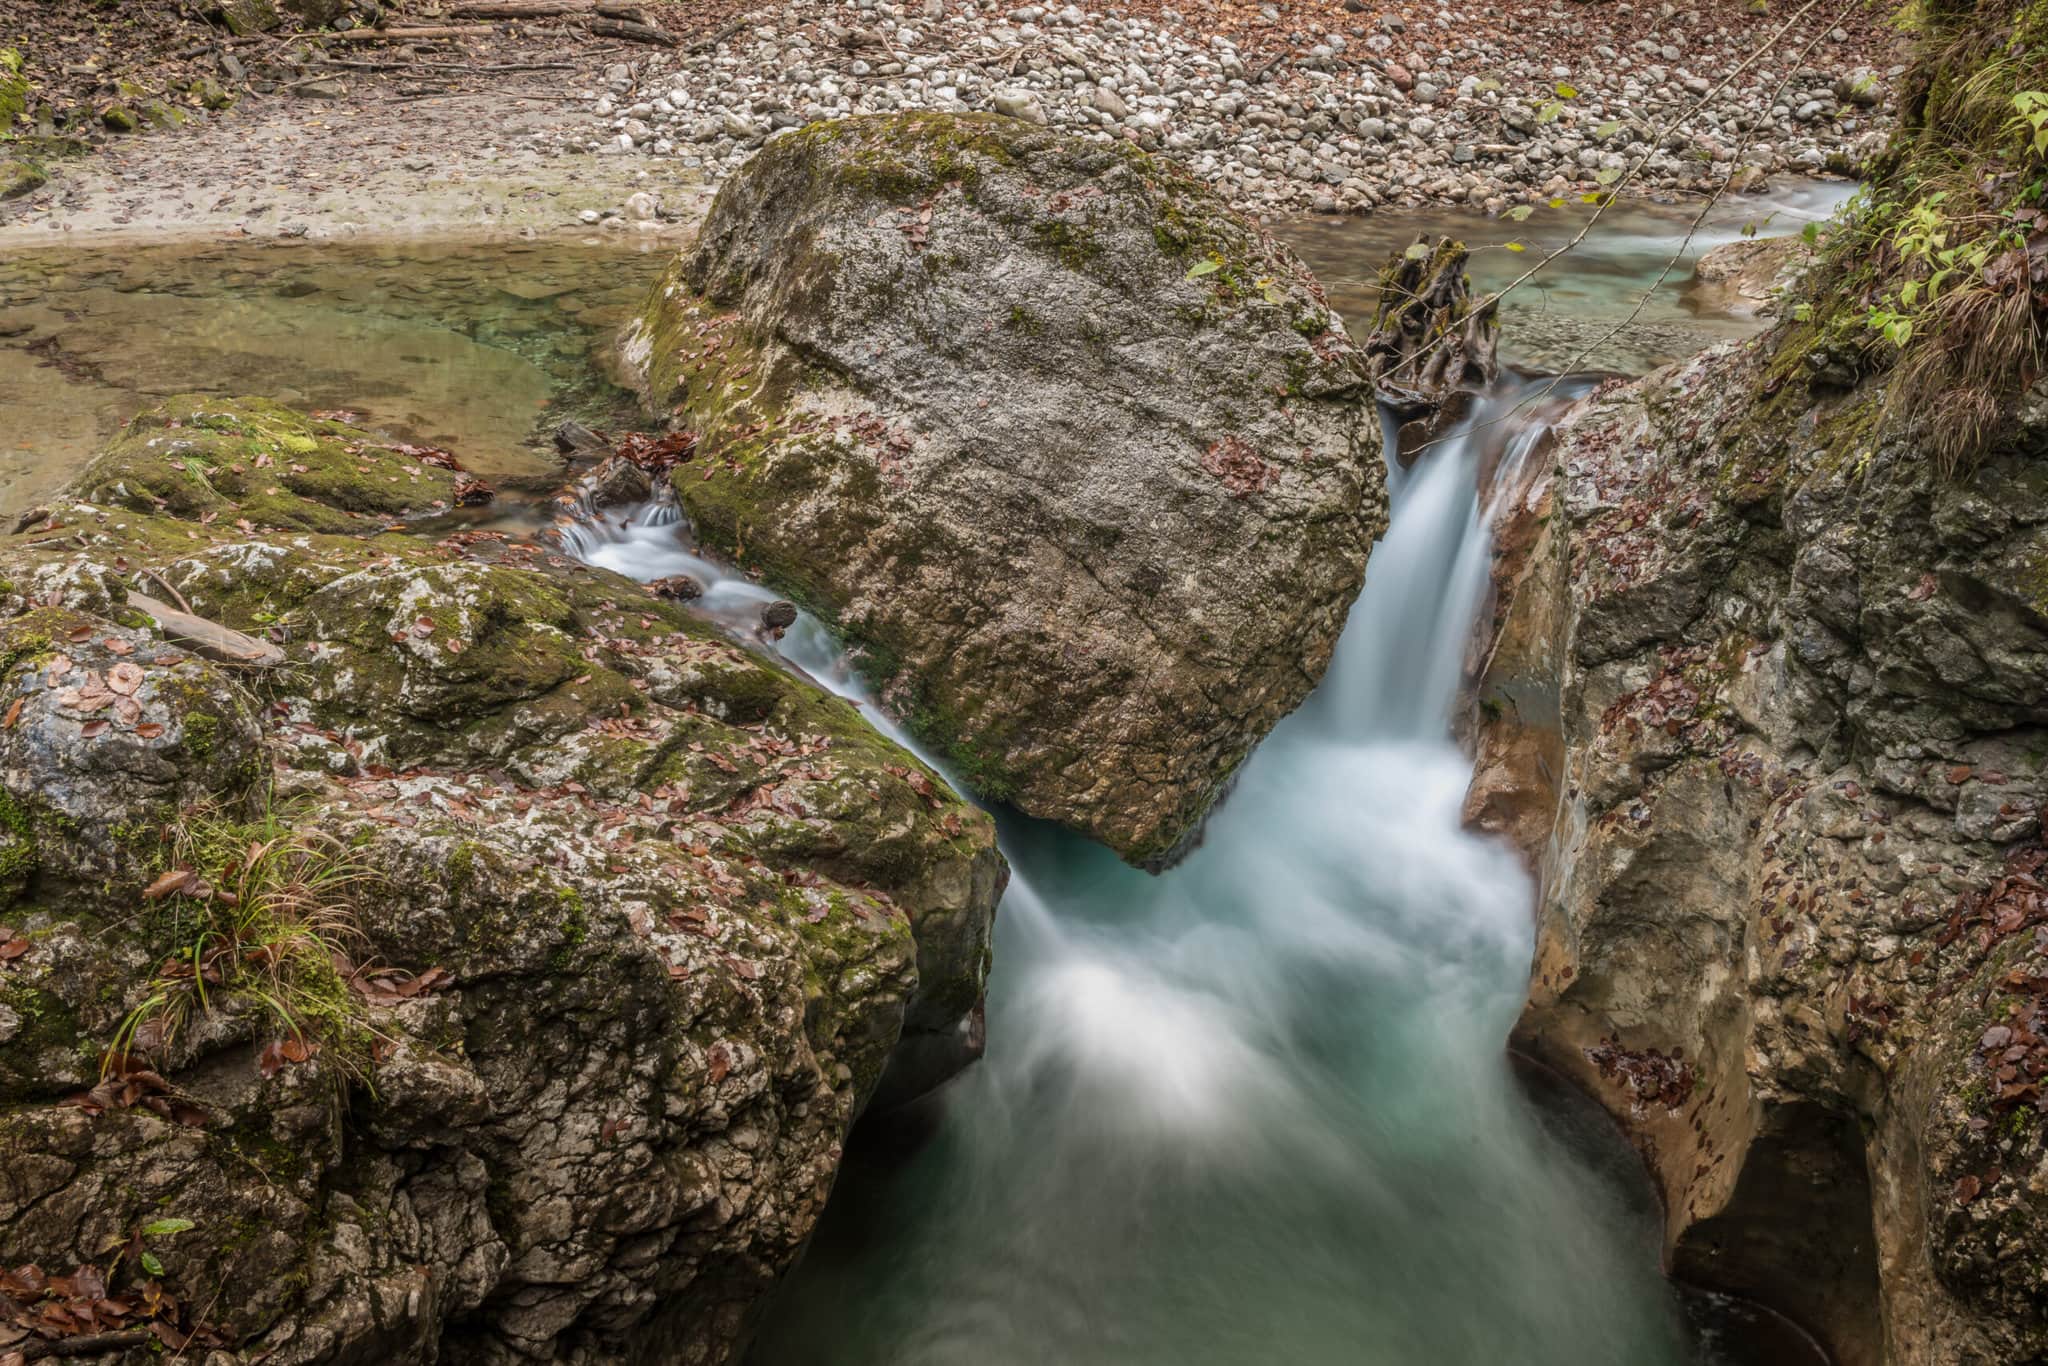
[1253, 1110]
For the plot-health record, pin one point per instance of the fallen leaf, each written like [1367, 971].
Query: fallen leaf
[176, 880]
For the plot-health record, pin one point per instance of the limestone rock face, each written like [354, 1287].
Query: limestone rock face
[1079, 459]
[686, 908]
[1793, 929]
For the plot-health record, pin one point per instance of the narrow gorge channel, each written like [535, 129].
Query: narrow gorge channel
[1256, 1108]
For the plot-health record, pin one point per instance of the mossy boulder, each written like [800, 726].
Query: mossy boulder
[1078, 458]
[19, 177]
[198, 458]
[13, 90]
[244, 17]
[690, 916]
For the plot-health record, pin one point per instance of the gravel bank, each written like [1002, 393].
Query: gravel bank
[1314, 108]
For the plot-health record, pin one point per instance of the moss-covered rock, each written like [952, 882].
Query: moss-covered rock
[690, 915]
[13, 90]
[1791, 924]
[1079, 459]
[250, 461]
[249, 16]
[19, 177]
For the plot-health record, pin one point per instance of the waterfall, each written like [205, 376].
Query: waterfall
[1255, 1109]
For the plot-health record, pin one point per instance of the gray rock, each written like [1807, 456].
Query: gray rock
[1019, 104]
[1185, 579]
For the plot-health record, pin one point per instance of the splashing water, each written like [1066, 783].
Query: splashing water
[1255, 1110]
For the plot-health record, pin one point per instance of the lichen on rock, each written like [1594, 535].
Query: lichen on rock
[1078, 460]
[674, 916]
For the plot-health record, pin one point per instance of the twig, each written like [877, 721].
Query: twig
[172, 589]
[707, 44]
[399, 35]
[443, 66]
[216, 44]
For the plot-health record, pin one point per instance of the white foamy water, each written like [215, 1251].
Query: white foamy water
[1254, 1110]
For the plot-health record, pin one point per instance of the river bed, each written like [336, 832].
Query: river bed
[1254, 1110]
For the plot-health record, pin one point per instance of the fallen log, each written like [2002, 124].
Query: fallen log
[547, 9]
[632, 32]
[223, 644]
[399, 35]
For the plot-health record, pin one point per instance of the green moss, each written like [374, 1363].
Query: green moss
[461, 867]
[14, 90]
[2034, 582]
[202, 731]
[247, 460]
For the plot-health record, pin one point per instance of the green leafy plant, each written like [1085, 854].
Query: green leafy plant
[1933, 271]
[260, 915]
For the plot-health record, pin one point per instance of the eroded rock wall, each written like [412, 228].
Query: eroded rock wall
[1793, 929]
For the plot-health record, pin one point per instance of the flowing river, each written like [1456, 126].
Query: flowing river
[1254, 1110]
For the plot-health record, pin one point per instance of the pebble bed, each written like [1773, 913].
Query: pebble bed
[1409, 107]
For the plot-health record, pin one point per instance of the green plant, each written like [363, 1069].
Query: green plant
[258, 914]
[1934, 270]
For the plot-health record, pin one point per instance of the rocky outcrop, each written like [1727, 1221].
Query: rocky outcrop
[1080, 461]
[549, 940]
[1793, 929]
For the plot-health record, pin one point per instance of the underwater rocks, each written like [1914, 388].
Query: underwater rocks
[1080, 461]
[595, 929]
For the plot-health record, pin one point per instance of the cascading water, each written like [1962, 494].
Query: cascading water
[1255, 1109]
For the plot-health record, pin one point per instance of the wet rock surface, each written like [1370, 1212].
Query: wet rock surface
[1081, 460]
[642, 921]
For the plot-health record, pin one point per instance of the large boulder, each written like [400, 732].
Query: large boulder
[1080, 461]
[493, 978]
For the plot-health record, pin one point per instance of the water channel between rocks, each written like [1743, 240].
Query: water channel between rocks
[1254, 1110]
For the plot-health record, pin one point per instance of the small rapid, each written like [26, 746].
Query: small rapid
[1256, 1109]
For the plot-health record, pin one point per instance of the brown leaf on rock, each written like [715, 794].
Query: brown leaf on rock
[177, 880]
[1968, 1189]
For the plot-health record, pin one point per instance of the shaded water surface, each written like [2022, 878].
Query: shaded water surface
[471, 347]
